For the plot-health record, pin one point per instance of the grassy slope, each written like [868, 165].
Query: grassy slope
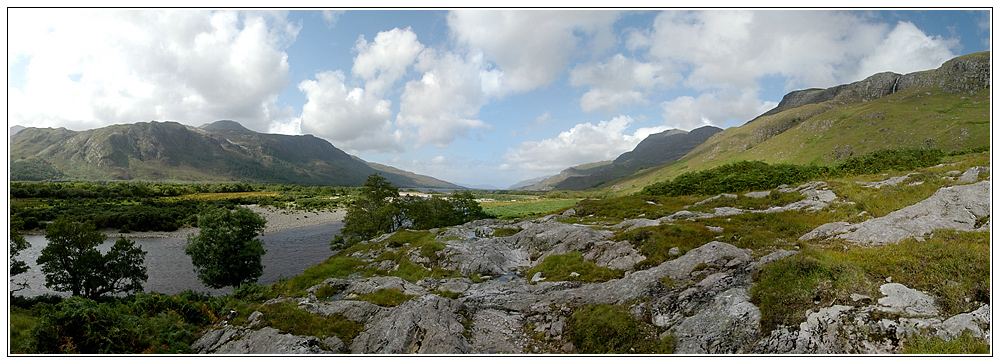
[823, 133]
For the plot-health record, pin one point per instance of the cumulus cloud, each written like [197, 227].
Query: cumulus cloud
[532, 48]
[713, 108]
[385, 60]
[91, 68]
[907, 49]
[619, 82]
[348, 117]
[444, 103]
[584, 143]
[808, 48]
[330, 17]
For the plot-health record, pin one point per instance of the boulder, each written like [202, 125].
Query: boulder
[428, 324]
[729, 326]
[954, 207]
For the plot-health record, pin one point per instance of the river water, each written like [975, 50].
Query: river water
[170, 271]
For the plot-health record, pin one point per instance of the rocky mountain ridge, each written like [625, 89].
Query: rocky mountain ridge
[945, 108]
[223, 151]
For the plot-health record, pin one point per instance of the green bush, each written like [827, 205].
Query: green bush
[609, 329]
[756, 175]
[83, 326]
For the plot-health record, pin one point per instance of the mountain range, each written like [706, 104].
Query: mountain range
[946, 108]
[222, 151]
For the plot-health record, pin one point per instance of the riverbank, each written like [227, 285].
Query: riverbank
[277, 220]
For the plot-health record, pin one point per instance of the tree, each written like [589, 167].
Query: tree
[375, 211]
[71, 261]
[17, 245]
[227, 251]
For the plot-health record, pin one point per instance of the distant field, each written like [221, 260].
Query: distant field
[225, 195]
[513, 210]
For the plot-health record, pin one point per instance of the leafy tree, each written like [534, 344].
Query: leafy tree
[71, 261]
[375, 211]
[17, 245]
[379, 210]
[227, 251]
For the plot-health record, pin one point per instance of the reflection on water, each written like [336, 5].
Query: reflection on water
[170, 271]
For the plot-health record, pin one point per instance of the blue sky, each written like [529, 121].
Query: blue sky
[479, 97]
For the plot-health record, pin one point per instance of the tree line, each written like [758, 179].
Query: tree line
[379, 209]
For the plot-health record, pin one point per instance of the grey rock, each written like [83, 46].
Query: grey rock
[455, 285]
[538, 277]
[498, 332]
[674, 251]
[826, 230]
[955, 208]
[976, 322]
[757, 194]
[357, 311]
[373, 284]
[887, 182]
[266, 340]
[428, 324]
[904, 300]
[633, 224]
[728, 326]
[972, 174]
[618, 255]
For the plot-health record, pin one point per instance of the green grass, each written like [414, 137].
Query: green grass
[525, 209]
[560, 268]
[655, 242]
[609, 329]
[385, 297]
[21, 323]
[963, 344]
[334, 267]
[952, 266]
[288, 318]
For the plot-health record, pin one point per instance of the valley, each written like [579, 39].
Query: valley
[849, 220]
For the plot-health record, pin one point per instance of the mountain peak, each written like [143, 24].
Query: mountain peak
[224, 125]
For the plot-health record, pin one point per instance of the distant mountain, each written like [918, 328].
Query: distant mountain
[947, 108]
[656, 149]
[223, 151]
[549, 183]
[14, 129]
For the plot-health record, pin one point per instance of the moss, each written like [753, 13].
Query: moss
[504, 232]
[561, 267]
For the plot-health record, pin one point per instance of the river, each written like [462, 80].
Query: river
[170, 271]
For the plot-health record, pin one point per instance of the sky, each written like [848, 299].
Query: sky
[477, 97]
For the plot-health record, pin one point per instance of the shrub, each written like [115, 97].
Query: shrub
[609, 329]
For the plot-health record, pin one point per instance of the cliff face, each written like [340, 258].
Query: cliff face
[964, 74]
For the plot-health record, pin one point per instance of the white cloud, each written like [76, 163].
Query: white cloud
[444, 103]
[907, 49]
[584, 143]
[330, 17]
[619, 82]
[719, 109]
[350, 118]
[532, 48]
[385, 60]
[91, 68]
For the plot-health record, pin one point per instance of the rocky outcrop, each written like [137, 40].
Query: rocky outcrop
[954, 207]
[700, 298]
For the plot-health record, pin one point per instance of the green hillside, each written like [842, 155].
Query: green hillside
[932, 109]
